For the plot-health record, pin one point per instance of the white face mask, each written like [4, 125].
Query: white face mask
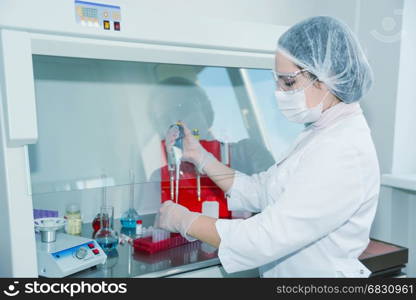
[293, 107]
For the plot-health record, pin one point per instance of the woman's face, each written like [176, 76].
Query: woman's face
[314, 91]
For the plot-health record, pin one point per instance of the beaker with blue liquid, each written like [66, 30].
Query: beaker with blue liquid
[106, 236]
[129, 218]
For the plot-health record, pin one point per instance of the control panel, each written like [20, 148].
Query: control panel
[98, 15]
[66, 258]
[67, 255]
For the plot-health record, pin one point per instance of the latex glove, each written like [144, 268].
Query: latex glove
[193, 151]
[175, 218]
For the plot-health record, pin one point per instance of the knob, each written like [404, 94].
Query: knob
[81, 253]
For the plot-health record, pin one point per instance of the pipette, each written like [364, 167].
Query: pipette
[178, 156]
[171, 168]
[174, 149]
[178, 149]
[195, 133]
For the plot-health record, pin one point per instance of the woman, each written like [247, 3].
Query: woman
[315, 207]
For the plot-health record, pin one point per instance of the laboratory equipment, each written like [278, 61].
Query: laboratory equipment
[131, 232]
[189, 181]
[139, 228]
[195, 133]
[384, 259]
[48, 227]
[106, 236]
[129, 218]
[125, 239]
[27, 39]
[147, 244]
[210, 208]
[159, 235]
[153, 240]
[73, 219]
[66, 255]
[174, 148]
[44, 213]
[225, 153]
[96, 223]
[60, 254]
[147, 231]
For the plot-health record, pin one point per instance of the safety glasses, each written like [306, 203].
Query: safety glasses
[292, 81]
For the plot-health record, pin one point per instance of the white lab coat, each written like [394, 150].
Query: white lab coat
[316, 207]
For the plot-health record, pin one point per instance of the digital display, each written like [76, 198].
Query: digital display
[89, 12]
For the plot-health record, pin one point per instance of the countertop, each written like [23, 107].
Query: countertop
[126, 262]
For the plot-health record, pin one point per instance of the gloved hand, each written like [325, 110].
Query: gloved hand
[175, 218]
[193, 151]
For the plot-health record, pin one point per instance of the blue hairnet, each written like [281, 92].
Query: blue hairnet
[330, 51]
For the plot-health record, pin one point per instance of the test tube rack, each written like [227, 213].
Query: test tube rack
[147, 245]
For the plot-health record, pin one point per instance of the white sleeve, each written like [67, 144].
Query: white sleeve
[247, 192]
[324, 192]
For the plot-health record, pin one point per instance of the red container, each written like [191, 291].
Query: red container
[188, 195]
[146, 244]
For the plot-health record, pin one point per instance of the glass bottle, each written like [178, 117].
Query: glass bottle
[73, 219]
[106, 236]
[130, 216]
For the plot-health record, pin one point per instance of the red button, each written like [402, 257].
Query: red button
[91, 245]
[95, 251]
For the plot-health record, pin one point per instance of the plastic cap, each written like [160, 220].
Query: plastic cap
[139, 222]
[328, 49]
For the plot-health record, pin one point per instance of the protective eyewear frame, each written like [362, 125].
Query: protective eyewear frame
[281, 78]
[277, 75]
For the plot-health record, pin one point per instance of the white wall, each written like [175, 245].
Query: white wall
[404, 159]
[380, 104]
[395, 218]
